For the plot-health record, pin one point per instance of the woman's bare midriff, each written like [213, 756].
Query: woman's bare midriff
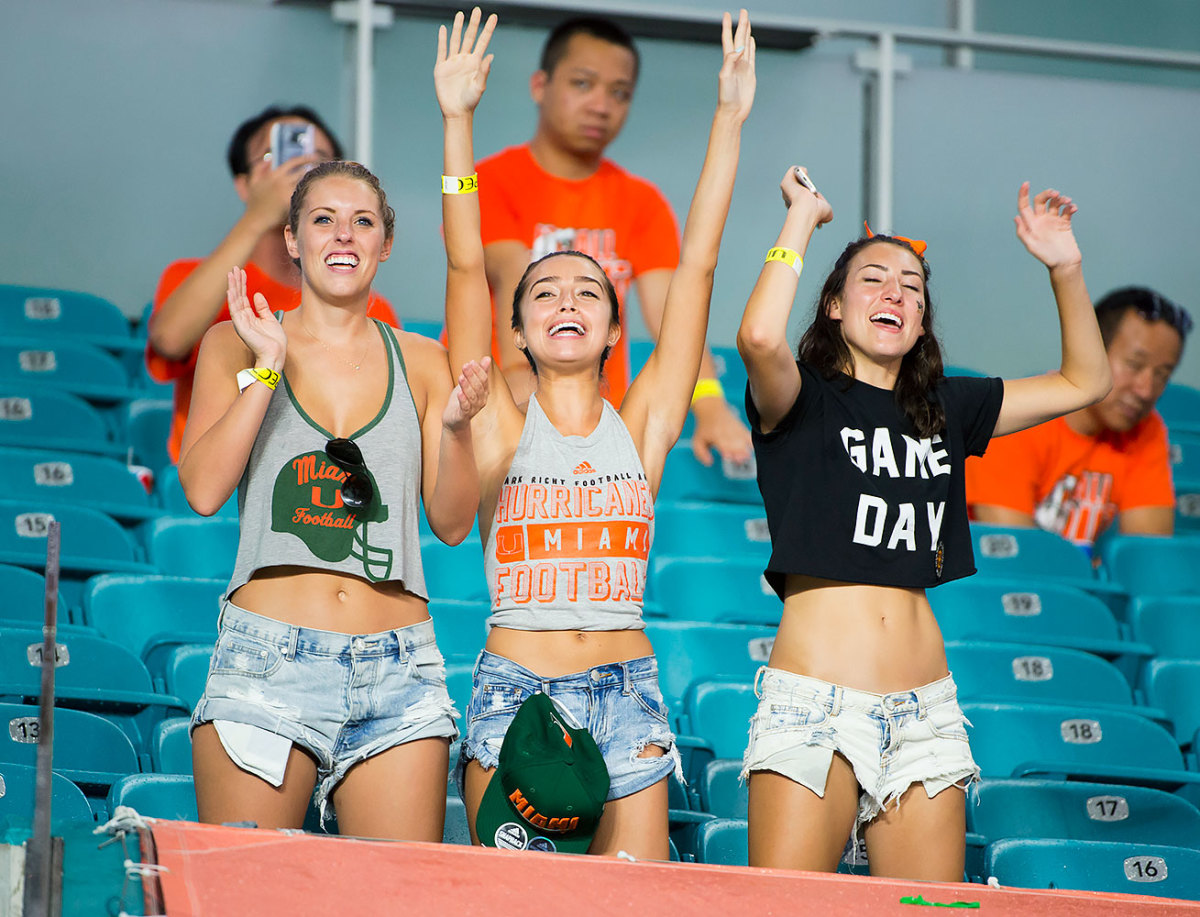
[873, 638]
[330, 601]
[562, 652]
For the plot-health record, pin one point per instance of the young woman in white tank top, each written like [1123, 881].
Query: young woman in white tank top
[384, 771]
[565, 318]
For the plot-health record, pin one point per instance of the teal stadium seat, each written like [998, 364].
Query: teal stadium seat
[48, 313]
[1133, 869]
[17, 785]
[719, 712]
[97, 482]
[172, 498]
[713, 589]
[722, 792]
[454, 572]
[1076, 742]
[430, 329]
[166, 796]
[187, 672]
[685, 479]
[1170, 625]
[456, 830]
[58, 421]
[708, 530]
[1187, 500]
[24, 594]
[1179, 406]
[150, 614]
[689, 652]
[171, 746]
[147, 427]
[88, 749]
[194, 546]
[1026, 553]
[724, 841]
[461, 628]
[64, 366]
[1149, 565]
[1174, 685]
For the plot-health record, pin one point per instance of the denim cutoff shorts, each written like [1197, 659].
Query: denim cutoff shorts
[891, 740]
[620, 704]
[341, 697]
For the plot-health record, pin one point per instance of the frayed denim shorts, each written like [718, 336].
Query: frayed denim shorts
[341, 697]
[620, 704]
[892, 741]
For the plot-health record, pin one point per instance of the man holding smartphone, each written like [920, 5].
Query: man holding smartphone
[558, 192]
[267, 158]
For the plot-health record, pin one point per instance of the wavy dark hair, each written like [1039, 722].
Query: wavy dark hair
[523, 287]
[824, 347]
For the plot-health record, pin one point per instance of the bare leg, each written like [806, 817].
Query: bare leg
[225, 792]
[923, 838]
[791, 827]
[637, 823]
[475, 781]
[399, 794]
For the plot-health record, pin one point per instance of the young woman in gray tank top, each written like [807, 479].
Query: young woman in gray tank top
[567, 482]
[326, 672]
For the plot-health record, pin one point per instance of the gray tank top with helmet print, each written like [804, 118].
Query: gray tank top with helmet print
[572, 530]
[290, 501]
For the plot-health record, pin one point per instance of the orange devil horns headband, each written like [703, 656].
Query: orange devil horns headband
[918, 245]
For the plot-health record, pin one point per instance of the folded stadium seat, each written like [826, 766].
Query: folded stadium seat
[194, 546]
[430, 329]
[187, 672]
[49, 313]
[1151, 565]
[722, 791]
[1033, 553]
[456, 830]
[684, 478]
[1187, 501]
[1179, 406]
[461, 628]
[688, 652]
[171, 746]
[50, 420]
[147, 426]
[1134, 869]
[150, 614]
[88, 750]
[65, 366]
[1021, 673]
[95, 481]
[459, 677]
[713, 589]
[724, 841]
[710, 530]
[955, 370]
[720, 712]
[1174, 685]
[167, 796]
[17, 785]
[172, 499]
[454, 572]
[1032, 611]
[24, 594]
[1076, 742]
[1170, 625]
[92, 674]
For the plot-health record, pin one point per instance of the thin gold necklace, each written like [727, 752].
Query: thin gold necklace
[357, 366]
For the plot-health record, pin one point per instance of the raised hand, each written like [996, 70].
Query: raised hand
[1044, 227]
[797, 194]
[469, 396]
[736, 81]
[258, 328]
[461, 72]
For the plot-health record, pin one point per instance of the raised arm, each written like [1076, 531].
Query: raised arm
[1044, 228]
[222, 424]
[762, 336]
[657, 403]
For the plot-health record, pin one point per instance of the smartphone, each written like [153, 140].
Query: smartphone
[805, 180]
[290, 139]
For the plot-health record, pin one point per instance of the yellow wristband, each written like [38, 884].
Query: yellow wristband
[247, 377]
[707, 388]
[788, 256]
[468, 184]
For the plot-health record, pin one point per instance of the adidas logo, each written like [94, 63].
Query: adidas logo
[583, 468]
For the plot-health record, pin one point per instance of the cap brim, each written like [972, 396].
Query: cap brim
[497, 810]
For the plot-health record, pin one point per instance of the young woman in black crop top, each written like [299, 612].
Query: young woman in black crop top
[860, 445]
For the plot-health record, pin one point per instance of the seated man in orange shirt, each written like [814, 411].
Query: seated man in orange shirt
[1076, 474]
[558, 192]
[191, 293]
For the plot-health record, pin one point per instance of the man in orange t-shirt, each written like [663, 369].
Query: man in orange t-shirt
[559, 193]
[1076, 474]
[191, 293]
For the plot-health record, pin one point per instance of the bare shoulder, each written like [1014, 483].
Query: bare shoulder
[422, 355]
[221, 342]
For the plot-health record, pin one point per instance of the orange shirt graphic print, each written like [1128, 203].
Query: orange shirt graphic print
[307, 502]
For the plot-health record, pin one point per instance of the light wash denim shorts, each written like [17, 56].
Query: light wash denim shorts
[892, 741]
[620, 704]
[341, 697]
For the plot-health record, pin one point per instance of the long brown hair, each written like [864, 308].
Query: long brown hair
[824, 346]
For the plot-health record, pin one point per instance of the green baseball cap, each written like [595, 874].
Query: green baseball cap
[549, 789]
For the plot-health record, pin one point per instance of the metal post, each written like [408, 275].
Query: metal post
[885, 111]
[962, 14]
[364, 84]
